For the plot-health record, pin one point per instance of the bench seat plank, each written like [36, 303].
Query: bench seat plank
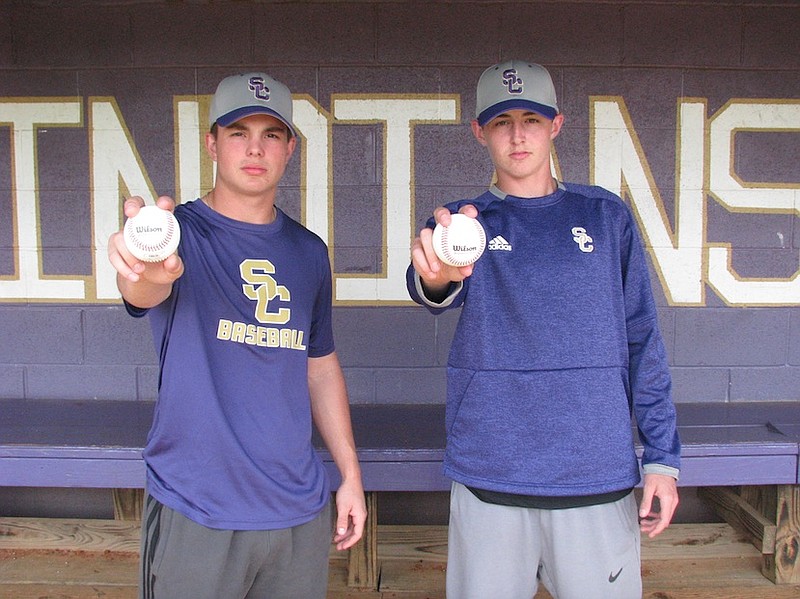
[97, 468]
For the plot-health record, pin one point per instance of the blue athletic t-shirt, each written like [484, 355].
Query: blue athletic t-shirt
[230, 446]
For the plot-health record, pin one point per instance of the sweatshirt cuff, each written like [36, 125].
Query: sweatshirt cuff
[455, 289]
[661, 469]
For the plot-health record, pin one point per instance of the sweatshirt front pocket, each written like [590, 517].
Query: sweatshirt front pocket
[559, 432]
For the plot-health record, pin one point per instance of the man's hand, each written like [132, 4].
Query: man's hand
[351, 515]
[654, 519]
[132, 269]
[143, 284]
[434, 274]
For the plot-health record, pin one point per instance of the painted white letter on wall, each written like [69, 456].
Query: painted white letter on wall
[740, 196]
[618, 163]
[399, 115]
[25, 118]
[117, 173]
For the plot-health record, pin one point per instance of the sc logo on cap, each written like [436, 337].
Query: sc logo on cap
[258, 88]
[512, 81]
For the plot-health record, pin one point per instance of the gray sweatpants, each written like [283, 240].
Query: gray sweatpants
[580, 553]
[181, 559]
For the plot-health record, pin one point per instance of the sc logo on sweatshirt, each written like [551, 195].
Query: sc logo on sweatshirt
[583, 240]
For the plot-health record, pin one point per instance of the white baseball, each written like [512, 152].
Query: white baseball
[460, 243]
[152, 235]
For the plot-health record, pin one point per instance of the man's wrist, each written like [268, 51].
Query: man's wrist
[442, 300]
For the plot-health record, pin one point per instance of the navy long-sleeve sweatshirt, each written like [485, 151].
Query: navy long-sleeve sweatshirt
[556, 347]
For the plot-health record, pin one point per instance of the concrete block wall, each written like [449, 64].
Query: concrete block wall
[144, 53]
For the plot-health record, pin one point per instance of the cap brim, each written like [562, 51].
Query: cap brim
[516, 104]
[228, 119]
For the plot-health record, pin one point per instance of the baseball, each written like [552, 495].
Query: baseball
[461, 243]
[152, 235]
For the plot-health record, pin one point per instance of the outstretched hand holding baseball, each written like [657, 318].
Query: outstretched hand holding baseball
[436, 275]
[143, 283]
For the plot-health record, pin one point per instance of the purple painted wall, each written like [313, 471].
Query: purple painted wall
[143, 54]
[650, 55]
[738, 59]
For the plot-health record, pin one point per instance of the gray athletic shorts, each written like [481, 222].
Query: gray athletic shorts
[181, 559]
[578, 553]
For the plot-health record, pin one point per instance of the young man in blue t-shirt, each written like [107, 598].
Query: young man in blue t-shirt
[556, 347]
[237, 498]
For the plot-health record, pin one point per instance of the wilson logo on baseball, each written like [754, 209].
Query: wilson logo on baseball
[152, 235]
[460, 243]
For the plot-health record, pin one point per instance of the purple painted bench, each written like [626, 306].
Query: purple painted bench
[98, 444]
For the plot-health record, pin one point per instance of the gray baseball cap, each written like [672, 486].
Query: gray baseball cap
[241, 95]
[515, 84]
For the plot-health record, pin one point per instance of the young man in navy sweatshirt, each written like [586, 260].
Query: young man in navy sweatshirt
[556, 351]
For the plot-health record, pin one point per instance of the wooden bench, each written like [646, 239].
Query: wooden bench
[745, 456]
